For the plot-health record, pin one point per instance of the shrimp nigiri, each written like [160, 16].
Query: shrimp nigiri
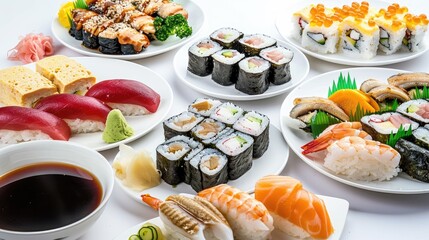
[249, 219]
[296, 211]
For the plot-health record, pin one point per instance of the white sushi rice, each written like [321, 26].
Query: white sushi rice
[416, 38]
[84, 126]
[266, 41]
[172, 156]
[205, 52]
[129, 109]
[212, 102]
[229, 34]
[185, 116]
[289, 228]
[403, 108]
[331, 35]
[12, 137]
[231, 144]
[199, 128]
[218, 56]
[357, 160]
[375, 120]
[287, 54]
[221, 162]
[254, 128]
[395, 40]
[227, 113]
[244, 64]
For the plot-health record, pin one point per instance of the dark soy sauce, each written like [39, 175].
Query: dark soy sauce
[46, 196]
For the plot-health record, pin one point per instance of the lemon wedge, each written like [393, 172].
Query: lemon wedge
[65, 13]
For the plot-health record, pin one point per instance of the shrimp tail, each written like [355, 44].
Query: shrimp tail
[151, 201]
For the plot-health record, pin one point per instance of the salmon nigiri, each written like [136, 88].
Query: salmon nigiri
[296, 211]
[249, 219]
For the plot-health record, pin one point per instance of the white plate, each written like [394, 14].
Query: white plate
[103, 69]
[299, 68]
[196, 20]
[284, 26]
[318, 86]
[272, 162]
[337, 209]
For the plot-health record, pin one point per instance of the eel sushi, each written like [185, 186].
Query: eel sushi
[22, 124]
[225, 66]
[227, 37]
[204, 106]
[280, 58]
[252, 44]
[82, 114]
[253, 75]
[248, 217]
[238, 147]
[91, 29]
[257, 126]
[108, 39]
[181, 124]
[417, 110]
[207, 129]
[295, 211]
[79, 17]
[414, 160]
[131, 97]
[200, 57]
[132, 41]
[227, 113]
[169, 161]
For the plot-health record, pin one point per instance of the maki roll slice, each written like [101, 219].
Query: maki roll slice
[280, 58]
[416, 29]
[321, 35]
[238, 147]
[132, 41]
[181, 124]
[421, 137]
[253, 75]
[79, 17]
[227, 37]
[169, 161]
[200, 57]
[257, 126]
[418, 110]
[227, 113]
[392, 32]
[414, 160]
[225, 66]
[204, 106]
[92, 28]
[207, 129]
[211, 142]
[108, 39]
[252, 44]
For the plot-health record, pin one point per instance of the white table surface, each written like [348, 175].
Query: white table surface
[371, 216]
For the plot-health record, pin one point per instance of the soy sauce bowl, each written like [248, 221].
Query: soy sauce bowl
[20, 155]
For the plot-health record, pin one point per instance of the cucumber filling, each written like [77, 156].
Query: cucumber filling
[317, 37]
[384, 38]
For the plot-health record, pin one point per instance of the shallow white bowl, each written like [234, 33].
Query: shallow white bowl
[19, 155]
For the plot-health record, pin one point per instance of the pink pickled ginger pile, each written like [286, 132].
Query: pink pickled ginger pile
[32, 48]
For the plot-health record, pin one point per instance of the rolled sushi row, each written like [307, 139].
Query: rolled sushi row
[251, 62]
[210, 143]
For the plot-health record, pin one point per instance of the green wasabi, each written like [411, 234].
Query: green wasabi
[117, 128]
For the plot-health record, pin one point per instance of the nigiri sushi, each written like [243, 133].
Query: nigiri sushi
[249, 219]
[83, 114]
[21, 124]
[131, 97]
[190, 217]
[296, 211]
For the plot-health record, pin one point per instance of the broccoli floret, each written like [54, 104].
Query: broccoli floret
[171, 25]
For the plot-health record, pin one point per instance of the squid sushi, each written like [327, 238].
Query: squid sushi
[414, 159]
[22, 124]
[225, 66]
[131, 97]
[227, 37]
[280, 58]
[227, 113]
[207, 129]
[169, 161]
[257, 126]
[91, 29]
[249, 218]
[252, 44]
[204, 106]
[418, 110]
[253, 75]
[82, 114]
[200, 57]
[79, 17]
[181, 124]
[295, 211]
[238, 147]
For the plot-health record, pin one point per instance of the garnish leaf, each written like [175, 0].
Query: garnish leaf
[80, 4]
[389, 106]
[342, 83]
[402, 133]
[421, 93]
[320, 122]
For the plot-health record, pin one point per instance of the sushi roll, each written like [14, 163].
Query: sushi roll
[418, 110]
[207, 129]
[204, 106]
[132, 41]
[181, 124]
[257, 126]
[253, 75]
[252, 44]
[238, 147]
[169, 161]
[200, 57]
[359, 37]
[416, 30]
[108, 39]
[225, 66]
[392, 32]
[227, 113]
[421, 137]
[414, 159]
[227, 37]
[92, 28]
[321, 35]
[280, 58]
[79, 17]
[381, 126]
[211, 142]
[302, 18]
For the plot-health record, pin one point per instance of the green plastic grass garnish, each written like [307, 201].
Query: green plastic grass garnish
[320, 122]
[342, 83]
[402, 133]
[422, 93]
[80, 4]
[390, 106]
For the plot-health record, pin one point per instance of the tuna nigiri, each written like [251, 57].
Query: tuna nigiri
[296, 211]
[21, 124]
[81, 113]
[249, 219]
[130, 96]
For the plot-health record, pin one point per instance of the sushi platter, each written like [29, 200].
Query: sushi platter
[402, 184]
[284, 25]
[299, 68]
[196, 21]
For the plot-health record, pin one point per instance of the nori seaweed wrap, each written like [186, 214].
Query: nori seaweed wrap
[108, 39]
[225, 66]
[253, 75]
[200, 60]
[415, 110]
[227, 37]
[211, 142]
[252, 44]
[414, 160]
[421, 137]
[181, 124]
[132, 41]
[169, 161]
[279, 57]
[79, 17]
[92, 28]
